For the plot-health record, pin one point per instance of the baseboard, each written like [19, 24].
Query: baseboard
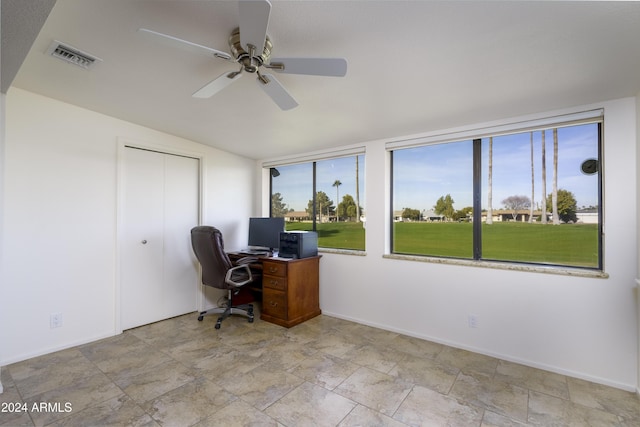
[578, 375]
[53, 349]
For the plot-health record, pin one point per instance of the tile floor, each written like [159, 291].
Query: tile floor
[324, 372]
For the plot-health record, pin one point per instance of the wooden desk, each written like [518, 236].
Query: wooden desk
[290, 289]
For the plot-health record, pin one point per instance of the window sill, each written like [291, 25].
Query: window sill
[342, 251]
[563, 271]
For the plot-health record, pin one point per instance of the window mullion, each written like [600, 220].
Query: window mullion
[600, 199]
[391, 205]
[477, 199]
[315, 194]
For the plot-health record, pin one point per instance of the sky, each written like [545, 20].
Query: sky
[295, 182]
[424, 174]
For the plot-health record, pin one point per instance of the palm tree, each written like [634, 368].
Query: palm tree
[532, 179]
[337, 184]
[490, 190]
[554, 194]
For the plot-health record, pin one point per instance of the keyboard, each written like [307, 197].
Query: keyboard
[254, 252]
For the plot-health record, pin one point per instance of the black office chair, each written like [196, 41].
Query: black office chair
[219, 272]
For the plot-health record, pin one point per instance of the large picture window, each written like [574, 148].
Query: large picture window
[529, 196]
[326, 196]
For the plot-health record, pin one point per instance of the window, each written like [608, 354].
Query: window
[326, 196]
[530, 196]
[427, 183]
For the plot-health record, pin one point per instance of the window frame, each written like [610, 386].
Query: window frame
[476, 136]
[313, 160]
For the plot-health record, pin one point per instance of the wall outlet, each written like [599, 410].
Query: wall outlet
[55, 320]
[473, 321]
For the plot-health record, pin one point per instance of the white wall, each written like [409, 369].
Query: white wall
[583, 327]
[638, 230]
[59, 238]
[2, 116]
[59, 248]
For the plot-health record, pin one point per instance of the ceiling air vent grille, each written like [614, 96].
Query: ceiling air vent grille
[72, 55]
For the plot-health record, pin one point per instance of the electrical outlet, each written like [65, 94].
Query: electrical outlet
[473, 321]
[55, 320]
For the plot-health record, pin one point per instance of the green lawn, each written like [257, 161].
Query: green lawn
[341, 235]
[566, 244]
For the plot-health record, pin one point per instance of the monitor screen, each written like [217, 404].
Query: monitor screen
[265, 232]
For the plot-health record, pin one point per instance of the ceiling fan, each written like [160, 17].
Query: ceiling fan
[251, 48]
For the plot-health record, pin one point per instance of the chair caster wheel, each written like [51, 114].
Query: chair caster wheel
[250, 319]
[217, 325]
[200, 318]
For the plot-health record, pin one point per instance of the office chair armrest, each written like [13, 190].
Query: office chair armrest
[230, 272]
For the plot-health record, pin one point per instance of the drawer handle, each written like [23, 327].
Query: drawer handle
[273, 304]
[273, 282]
[273, 269]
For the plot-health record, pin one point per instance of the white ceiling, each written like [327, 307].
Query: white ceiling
[414, 66]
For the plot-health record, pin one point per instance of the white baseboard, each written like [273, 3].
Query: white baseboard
[505, 357]
[53, 349]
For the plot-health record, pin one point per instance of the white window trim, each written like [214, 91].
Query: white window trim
[504, 265]
[314, 157]
[562, 120]
[517, 126]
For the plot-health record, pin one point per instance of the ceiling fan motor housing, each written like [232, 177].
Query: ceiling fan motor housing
[250, 64]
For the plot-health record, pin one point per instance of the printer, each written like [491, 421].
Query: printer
[298, 244]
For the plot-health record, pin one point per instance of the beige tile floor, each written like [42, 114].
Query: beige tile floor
[324, 372]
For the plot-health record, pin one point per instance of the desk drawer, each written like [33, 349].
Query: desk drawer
[274, 282]
[274, 303]
[274, 268]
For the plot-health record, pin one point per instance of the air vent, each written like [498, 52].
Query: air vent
[72, 55]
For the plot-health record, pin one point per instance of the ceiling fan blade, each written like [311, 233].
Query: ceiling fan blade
[254, 20]
[277, 92]
[216, 85]
[183, 44]
[335, 67]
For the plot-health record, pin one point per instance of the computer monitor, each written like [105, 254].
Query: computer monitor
[265, 232]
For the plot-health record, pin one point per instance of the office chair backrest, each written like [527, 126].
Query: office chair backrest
[209, 249]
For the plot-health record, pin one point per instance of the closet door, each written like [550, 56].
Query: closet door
[159, 272]
[180, 216]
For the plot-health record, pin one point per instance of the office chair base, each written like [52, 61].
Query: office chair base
[244, 310]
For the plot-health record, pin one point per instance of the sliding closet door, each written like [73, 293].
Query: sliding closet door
[159, 272]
